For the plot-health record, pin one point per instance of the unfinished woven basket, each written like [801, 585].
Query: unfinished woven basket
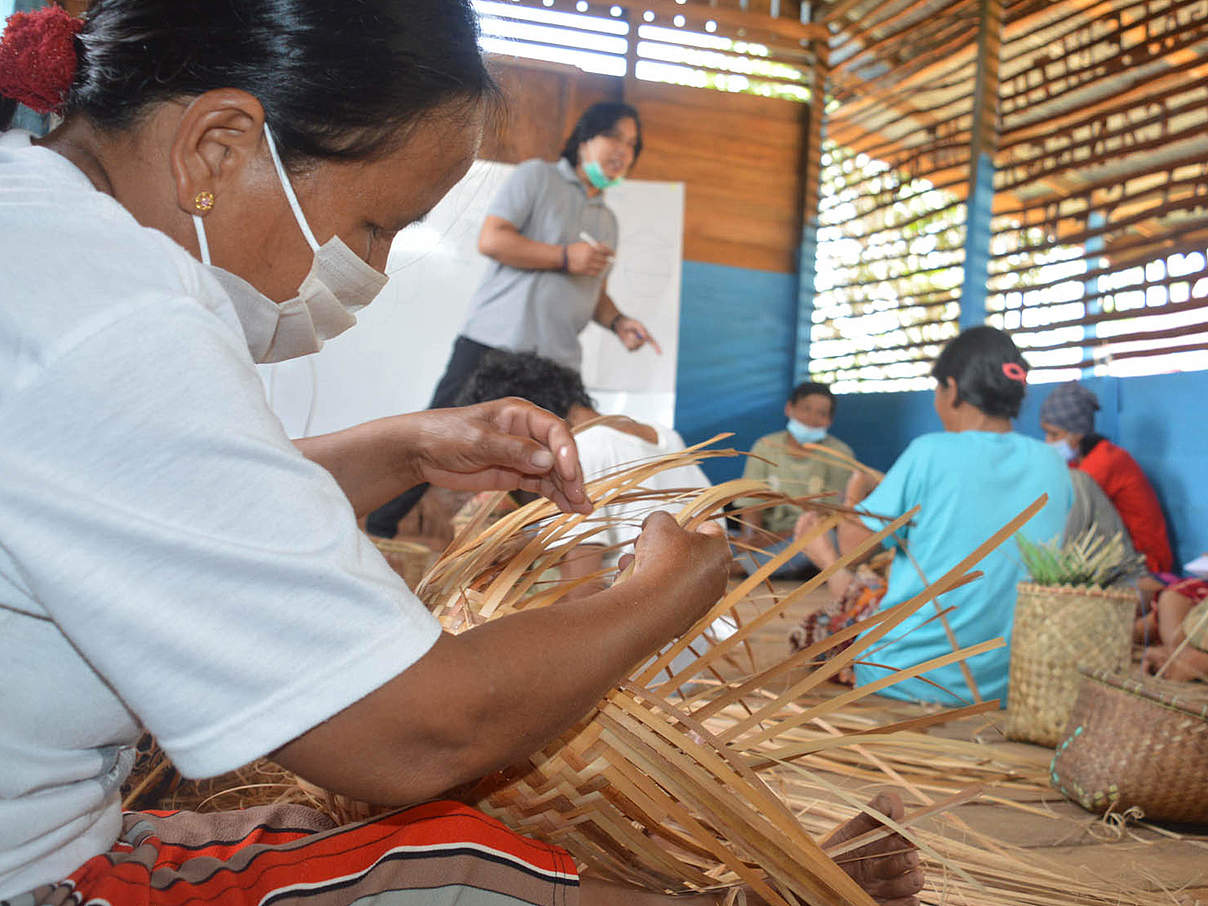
[658, 786]
[1136, 742]
[1057, 630]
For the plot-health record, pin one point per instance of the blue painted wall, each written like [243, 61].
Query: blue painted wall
[737, 339]
[1159, 419]
[736, 347]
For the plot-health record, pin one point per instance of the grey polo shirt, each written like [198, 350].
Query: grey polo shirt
[541, 311]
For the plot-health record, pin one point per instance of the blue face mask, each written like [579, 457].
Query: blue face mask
[595, 175]
[1063, 447]
[804, 434]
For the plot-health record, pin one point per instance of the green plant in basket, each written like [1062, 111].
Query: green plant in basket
[1088, 561]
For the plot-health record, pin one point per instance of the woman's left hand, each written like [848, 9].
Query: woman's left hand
[502, 445]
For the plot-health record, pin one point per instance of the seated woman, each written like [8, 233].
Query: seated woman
[223, 190]
[1068, 419]
[857, 590]
[968, 480]
[603, 448]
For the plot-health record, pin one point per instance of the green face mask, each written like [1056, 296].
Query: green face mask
[595, 175]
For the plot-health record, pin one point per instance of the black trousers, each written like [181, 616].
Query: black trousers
[465, 357]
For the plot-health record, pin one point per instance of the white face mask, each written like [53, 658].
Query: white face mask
[338, 285]
[1064, 447]
[803, 433]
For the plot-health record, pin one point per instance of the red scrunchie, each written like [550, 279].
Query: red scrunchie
[38, 57]
[1015, 372]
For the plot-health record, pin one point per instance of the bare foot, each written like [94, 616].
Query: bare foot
[887, 869]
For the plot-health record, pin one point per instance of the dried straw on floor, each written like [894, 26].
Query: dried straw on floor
[661, 786]
[154, 783]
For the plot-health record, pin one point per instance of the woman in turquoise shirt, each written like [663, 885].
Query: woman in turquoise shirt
[969, 481]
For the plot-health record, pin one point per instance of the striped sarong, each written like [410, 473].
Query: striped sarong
[430, 855]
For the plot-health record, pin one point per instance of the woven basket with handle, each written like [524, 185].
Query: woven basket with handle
[1057, 630]
[1136, 742]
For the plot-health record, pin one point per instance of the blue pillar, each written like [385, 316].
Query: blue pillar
[977, 242]
[807, 269]
[1095, 220]
[983, 141]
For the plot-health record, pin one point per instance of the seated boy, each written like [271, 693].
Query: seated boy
[604, 449]
[800, 461]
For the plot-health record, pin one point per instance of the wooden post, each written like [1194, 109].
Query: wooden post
[983, 146]
[634, 18]
[811, 189]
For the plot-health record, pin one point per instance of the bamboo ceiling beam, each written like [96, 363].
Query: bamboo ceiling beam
[843, 38]
[834, 13]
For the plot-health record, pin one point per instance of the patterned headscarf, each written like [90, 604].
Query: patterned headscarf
[1072, 407]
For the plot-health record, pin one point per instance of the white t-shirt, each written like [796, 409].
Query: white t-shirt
[603, 450]
[167, 557]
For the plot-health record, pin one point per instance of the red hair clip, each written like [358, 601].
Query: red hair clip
[38, 57]
[1015, 372]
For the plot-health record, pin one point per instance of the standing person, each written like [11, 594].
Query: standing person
[550, 239]
[1068, 419]
[223, 189]
[545, 281]
[783, 460]
[968, 480]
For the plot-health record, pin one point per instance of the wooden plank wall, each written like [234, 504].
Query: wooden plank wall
[738, 155]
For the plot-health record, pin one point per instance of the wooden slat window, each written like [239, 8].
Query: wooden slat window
[726, 47]
[594, 41]
[1099, 223]
[891, 220]
[1100, 256]
[705, 59]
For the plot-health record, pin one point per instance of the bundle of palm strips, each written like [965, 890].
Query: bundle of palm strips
[661, 785]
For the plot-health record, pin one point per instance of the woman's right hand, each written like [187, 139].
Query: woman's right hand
[583, 259]
[684, 569]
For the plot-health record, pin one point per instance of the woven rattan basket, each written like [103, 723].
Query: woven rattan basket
[1136, 742]
[1057, 630]
[407, 558]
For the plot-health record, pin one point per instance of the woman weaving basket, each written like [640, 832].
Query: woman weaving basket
[223, 190]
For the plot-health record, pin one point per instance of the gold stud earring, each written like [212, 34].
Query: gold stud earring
[203, 202]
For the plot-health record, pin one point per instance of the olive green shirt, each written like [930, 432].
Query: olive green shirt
[796, 471]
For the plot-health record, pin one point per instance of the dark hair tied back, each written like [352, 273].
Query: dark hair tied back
[596, 120]
[337, 78]
[987, 367]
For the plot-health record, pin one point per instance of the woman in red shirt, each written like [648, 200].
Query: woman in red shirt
[1068, 420]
